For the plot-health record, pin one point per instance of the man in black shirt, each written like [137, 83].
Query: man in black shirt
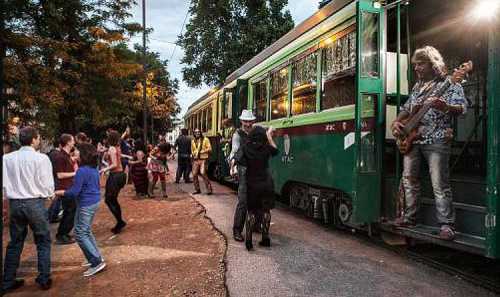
[183, 148]
[55, 206]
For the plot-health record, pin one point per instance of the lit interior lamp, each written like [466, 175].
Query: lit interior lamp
[486, 9]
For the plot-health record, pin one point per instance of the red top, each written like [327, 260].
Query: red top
[63, 163]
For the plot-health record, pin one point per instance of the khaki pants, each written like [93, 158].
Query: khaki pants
[199, 169]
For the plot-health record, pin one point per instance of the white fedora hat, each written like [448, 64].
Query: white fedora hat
[247, 115]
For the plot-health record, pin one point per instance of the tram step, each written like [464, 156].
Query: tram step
[466, 242]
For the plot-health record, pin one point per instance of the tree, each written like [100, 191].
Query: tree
[224, 34]
[70, 66]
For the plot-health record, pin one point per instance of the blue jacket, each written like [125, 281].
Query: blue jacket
[86, 188]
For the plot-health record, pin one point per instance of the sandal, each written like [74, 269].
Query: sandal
[447, 233]
[403, 222]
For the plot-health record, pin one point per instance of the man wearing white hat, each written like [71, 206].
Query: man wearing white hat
[239, 137]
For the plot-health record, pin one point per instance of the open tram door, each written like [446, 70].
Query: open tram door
[368, 117]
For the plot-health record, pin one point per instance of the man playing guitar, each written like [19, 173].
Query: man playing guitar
[434, 135]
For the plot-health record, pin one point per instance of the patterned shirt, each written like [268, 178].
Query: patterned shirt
[434, 124]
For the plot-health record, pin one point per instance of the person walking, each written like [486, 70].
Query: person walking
[183, 148]
[200, 149]
[239, 138]
[116, 180]
[139, 174]
[65, 171]
[27, 183]
[255, 155]
[86, 191]
[55, 206]
[156, 168]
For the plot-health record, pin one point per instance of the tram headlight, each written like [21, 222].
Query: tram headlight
[486, 9]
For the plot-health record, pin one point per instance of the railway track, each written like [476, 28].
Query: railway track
[478, 270]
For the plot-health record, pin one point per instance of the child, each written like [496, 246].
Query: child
[157, 169]
[86, 191]
[139, 174]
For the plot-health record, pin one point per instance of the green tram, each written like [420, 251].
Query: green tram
[332, 86]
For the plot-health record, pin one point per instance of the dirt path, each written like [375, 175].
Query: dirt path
[168, 248]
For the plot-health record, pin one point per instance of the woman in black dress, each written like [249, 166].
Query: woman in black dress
[255, 155]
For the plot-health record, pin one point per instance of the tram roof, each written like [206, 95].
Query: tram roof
[322, 14]
[202, 98]
[318, 17]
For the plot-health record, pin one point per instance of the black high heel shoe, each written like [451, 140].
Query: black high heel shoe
[249, 245]
[265, 242]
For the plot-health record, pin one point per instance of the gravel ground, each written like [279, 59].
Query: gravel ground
[307, 259]
[169, 248]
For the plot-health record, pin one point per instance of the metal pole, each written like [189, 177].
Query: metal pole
[398, 85]
[144, 83]
[152, 129]
[3, 101]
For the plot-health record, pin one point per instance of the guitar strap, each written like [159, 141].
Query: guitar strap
[428, 90]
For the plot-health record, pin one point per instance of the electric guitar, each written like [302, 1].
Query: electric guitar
[410, 131]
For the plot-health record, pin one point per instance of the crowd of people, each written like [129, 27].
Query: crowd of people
[69, 176]
[64, 187]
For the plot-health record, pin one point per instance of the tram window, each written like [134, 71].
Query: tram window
[304, 85]
[228, 106]
[370, 52]
[259, 99]
[243, 98]
[338, 79]
[368, 157]
[209, 118]
[202, 121]
[279, 94]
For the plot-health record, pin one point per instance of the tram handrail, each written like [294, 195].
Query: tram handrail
[396, 3]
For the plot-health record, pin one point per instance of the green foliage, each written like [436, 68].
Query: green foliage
[70, 67]
[224, 34]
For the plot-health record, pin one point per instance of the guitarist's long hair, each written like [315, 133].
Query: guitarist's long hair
[433, 56]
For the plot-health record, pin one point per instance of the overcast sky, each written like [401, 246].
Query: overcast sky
[166, 18]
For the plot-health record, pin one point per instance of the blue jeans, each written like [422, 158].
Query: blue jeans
[24, 213]
[437, 157]
[83, 233]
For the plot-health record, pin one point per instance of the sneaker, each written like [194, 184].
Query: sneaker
[93, 270]
[196, 192]
[87, 263]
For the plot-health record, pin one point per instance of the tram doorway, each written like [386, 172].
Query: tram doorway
[448, 26]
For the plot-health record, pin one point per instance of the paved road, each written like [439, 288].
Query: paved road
[307, 259]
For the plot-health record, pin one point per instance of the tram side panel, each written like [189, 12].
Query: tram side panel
[314, 169]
